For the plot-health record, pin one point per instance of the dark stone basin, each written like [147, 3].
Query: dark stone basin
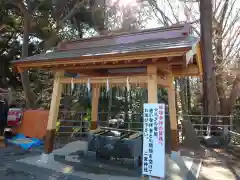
[119, 144]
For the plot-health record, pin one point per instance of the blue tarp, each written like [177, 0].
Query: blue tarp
[25, 142]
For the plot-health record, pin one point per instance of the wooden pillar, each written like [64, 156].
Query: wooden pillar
[95, 101]
[152, 83]
[53, 113]
[172, 114]
[152, 86]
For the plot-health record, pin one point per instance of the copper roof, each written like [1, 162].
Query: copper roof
[176, 37]
[183, 42]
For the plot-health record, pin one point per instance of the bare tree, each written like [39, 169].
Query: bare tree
[225, 43]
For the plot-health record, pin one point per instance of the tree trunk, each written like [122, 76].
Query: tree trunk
[29, 95]
[176, 94]
[188, 95]
[209, 79]
[126, 118]
[183, 96]
[227, 104]
[109, 103]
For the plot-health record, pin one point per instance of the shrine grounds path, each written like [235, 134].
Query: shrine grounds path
[10, 169]
[219, 165]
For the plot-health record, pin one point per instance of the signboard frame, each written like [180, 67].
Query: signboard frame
[153, 158]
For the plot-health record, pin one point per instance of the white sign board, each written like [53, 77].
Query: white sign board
[154, 140]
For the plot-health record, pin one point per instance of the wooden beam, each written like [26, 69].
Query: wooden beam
[20, 70]
[163, 65]
[172, 114]
[86, 73]
[99, 66]
[166, 66]
[106, 74]
[190, 70]
[95, 101]
[199, 60]
[53, 113]
[152, 80]
[140, 79]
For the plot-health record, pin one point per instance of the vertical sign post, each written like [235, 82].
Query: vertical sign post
[153, 164]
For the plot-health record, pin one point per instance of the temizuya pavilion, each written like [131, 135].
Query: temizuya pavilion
[150, 57]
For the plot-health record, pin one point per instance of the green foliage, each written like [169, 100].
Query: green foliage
[43, 18]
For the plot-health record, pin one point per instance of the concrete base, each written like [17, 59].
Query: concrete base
[71, 148]
[178, 167]
[174, 172]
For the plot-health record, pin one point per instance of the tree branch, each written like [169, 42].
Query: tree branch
[166, 21]
[224, 11]
[47, 45]
[229, 15]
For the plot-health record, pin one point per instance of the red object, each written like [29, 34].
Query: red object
[14, 117]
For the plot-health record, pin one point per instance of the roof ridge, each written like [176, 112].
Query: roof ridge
[185, 28]
[130, 43]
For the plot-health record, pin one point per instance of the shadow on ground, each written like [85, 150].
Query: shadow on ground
[218, 164]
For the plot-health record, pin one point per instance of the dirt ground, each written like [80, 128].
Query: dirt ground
[219, 165]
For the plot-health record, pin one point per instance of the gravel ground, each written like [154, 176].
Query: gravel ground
[10, 169]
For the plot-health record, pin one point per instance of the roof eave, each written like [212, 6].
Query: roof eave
[35, 63]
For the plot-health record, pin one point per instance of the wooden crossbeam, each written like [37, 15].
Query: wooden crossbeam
[99, 66]
[140, 79]
[190, 70]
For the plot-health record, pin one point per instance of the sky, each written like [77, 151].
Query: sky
[231, 41]
[180, 10]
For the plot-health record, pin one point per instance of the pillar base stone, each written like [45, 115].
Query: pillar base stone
[46, 158]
